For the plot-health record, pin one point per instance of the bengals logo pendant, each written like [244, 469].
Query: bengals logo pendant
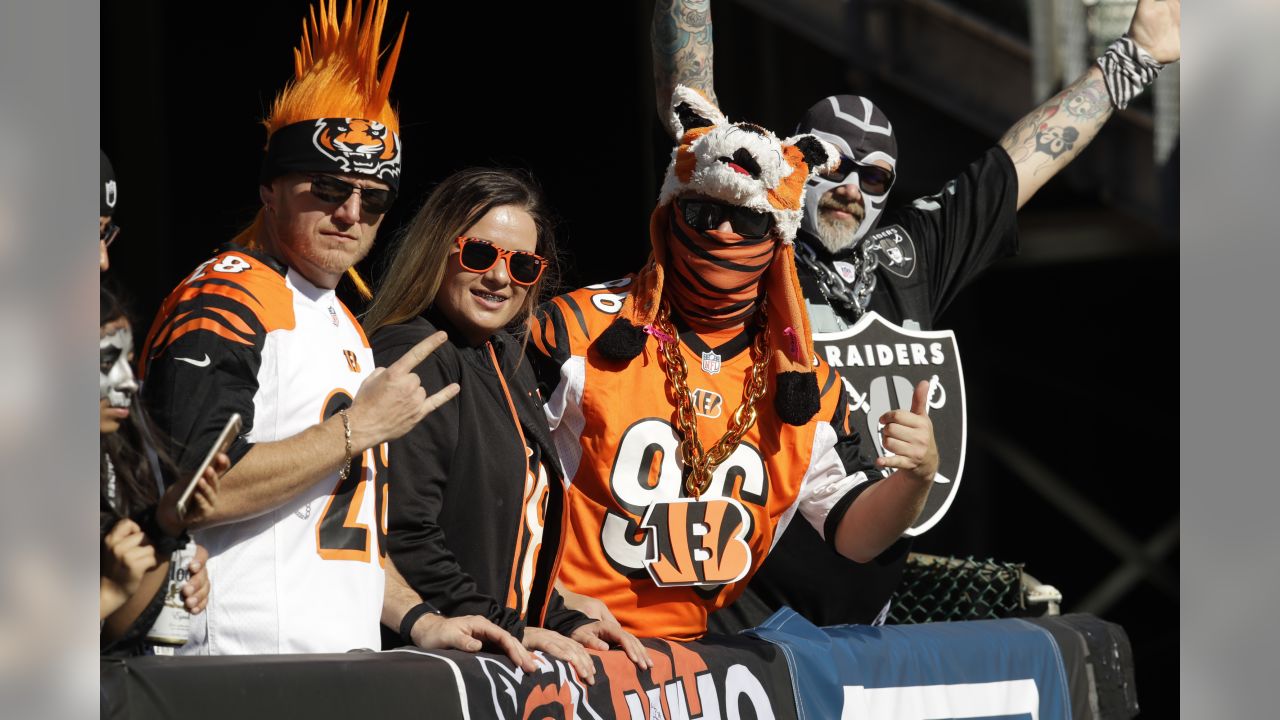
[696, 542]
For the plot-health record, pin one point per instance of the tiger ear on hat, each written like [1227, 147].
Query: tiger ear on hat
[820, 155]
[690, 110]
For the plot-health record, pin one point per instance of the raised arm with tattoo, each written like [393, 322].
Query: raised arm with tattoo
[1051, 136]
[682, 52]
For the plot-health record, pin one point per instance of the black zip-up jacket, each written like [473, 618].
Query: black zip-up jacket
[460, 516]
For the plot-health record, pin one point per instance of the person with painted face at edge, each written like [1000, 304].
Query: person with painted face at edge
[295, 547]
[139, 523]
[477, 507]
[907, 266]
[108, 195]
[688, 405]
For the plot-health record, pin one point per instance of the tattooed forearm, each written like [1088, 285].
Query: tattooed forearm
[682, 49]
[1088, 100]
[1018, 140]
[1051, 136]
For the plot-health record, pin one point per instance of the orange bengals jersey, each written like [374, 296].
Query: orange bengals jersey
[637, 542]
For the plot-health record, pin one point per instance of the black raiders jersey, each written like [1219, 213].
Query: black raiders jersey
[927, 252]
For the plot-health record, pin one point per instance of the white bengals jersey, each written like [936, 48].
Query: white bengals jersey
[244, 334]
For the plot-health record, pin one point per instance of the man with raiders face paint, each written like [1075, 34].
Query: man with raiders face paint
[905, 267]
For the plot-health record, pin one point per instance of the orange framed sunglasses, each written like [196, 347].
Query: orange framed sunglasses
[479, 256]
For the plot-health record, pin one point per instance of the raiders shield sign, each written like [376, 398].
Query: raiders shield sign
[881, 364]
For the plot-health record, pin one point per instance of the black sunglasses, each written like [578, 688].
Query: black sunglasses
[479, 256]
[109, 233]
[872, 179]
[703, 215]
[375, 201]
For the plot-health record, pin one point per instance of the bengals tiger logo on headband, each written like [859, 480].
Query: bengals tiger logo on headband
[360, 146]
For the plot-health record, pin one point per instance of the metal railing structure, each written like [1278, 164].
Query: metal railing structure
[942, 589]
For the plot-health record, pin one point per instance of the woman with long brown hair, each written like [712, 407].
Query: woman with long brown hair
[476, 507]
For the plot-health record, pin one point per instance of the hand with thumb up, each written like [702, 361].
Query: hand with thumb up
[909, 436]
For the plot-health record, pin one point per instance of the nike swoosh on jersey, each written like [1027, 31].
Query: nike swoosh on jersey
[197, 363]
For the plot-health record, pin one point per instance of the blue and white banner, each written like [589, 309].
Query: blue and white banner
[979, 670]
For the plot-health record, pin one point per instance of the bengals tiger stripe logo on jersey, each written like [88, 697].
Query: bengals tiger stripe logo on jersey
[696, 542]
[233, 295]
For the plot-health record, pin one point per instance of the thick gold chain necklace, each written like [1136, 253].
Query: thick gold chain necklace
[699, 463]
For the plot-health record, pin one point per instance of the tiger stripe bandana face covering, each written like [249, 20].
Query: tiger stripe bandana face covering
[716, 280]
[715, 275]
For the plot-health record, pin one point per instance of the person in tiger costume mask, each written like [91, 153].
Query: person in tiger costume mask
[688, 406]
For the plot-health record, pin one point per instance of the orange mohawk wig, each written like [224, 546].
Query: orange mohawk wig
[335, 116]
[335, 68]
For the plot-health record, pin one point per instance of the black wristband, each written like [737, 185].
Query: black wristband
[411, 617]
[164, 545]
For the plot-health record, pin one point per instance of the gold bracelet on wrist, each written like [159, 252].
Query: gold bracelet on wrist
[346, 429]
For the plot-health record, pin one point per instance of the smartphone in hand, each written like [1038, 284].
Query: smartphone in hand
[229, 433]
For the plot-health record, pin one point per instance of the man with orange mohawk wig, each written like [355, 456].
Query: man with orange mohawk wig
[296, 561]
[689, 407]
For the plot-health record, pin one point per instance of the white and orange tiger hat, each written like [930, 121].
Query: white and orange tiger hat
[741, 163]
[745, 166]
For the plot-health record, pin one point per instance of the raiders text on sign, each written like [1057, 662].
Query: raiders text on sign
[882, 355]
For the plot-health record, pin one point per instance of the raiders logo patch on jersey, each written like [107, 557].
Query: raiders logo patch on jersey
[895, 250]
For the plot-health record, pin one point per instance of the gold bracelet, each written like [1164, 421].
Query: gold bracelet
[346, 428]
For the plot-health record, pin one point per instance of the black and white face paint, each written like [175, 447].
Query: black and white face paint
[116, 384]
[864, 136]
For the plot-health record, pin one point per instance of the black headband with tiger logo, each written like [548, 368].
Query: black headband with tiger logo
[336, 145]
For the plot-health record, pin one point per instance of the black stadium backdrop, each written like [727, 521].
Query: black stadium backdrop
[1073, 361]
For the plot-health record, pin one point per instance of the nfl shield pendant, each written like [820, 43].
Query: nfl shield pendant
[846, 270]
[710, 362]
